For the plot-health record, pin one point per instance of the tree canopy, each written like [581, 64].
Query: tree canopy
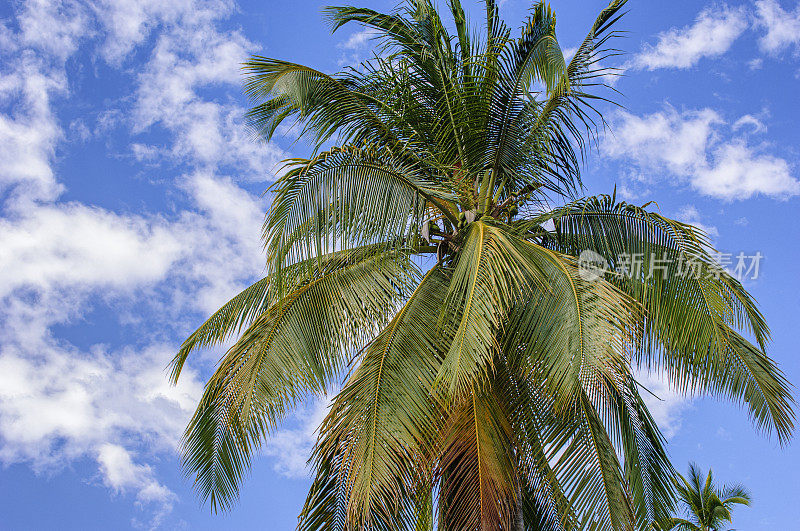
[417, 268]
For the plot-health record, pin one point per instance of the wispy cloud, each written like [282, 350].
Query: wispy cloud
[59, 402]
[690, 214]
[208, 134]
[711, 35]
[291, 446]
[58, 405]
[355, 48]
[29, 131]
[664, 403]
[714, 31]
[700, 148]
[358, 40]
[750, 122]
[61, 260]
[782, 27]
[122, 474]
[54, 27]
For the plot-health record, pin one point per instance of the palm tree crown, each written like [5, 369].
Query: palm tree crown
[708, 506]
[490, 386]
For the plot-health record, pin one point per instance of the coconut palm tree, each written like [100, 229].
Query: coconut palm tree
[708, 506]
[415, 263]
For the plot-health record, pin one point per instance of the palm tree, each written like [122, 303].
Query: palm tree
[708, 507]
[417, 266]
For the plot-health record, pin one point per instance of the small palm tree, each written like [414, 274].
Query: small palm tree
[419, 266]
[708, 507]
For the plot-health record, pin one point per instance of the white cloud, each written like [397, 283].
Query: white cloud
[712, 34]
[60, 261]
[690, 214]
[357, 45]
[755, 64]
[128, 24]
[222, 242]
[782, 27]
[738, 172]
[666, 406]
[358, 39]
[206, 133]
[29, 131]
[53, 26]
[196, 260]
[58, 405]
[177, 68]
[291, 445]
[121, 474]
[691, 146]
[72, 245]
[190, 54]
[756, 125]
[667, 139]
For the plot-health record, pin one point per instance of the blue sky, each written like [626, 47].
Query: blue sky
[130, 207]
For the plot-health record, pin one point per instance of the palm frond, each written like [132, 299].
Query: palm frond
[323, 103]
[385, 416]
[346, 197]
[690, 313]
[295, 347]
[479, 481]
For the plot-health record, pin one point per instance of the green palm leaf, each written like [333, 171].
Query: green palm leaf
[295, 347]
[708, 506]
[689, 317]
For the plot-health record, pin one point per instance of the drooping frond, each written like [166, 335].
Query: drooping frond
[228, 320]
[346, 197]
[490, 273]
[323, 103]
[384, 420]
[293, 348]
[545, 506]
[572, 329]
[735, 494]
[692, 305]
[242, 309]
[479, 487]
[648, 471]
[587, 466]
